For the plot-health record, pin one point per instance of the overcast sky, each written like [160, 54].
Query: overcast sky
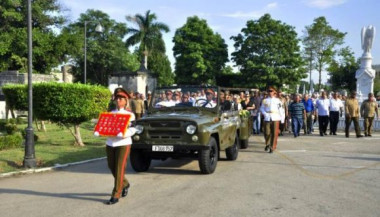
[228, 17]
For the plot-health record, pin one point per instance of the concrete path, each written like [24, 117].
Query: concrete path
[307, 176]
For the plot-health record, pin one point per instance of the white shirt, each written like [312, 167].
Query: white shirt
[323, 106]
[126, 139]
[166, 103]
[272, 109]
[336, 105]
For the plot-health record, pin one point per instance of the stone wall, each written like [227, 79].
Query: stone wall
[134, 81]
[14, 77]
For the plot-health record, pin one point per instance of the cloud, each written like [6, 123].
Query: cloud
[323, 4]
[253, 14]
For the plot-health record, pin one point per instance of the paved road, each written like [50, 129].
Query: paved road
[307, 176]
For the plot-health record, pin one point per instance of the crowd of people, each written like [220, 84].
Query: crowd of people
[271, 113]
[303, 111]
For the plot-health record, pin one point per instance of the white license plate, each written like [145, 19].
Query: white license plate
[163, 148]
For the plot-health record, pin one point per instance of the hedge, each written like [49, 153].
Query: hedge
[61, 103]
[69, 103]
[16, 96]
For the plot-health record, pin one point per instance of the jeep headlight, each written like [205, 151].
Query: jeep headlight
[139, 129]
[190, 129]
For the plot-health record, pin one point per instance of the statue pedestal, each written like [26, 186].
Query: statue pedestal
[365, 77]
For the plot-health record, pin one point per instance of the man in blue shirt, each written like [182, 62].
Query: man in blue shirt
[309, 107]
[297, 113]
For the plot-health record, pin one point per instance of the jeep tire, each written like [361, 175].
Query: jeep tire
[244, 143]
[140, 162]
[208, 159]
[233, 151]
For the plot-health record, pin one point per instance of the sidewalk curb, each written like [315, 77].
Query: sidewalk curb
[44, 169]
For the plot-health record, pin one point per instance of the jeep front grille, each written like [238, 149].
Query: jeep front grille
[165, 124]
[155, 134]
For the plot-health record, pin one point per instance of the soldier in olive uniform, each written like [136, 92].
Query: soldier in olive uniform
[139, 106]
[368, 110]
[352, 114]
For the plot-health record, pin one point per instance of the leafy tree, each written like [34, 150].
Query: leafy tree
[376, 86]
[106, 52]
[66, 104]
[267, 52]
[159, 65]
[200, 53]
[342, 72]
[148, 33]
[47, 52]
[320, 42]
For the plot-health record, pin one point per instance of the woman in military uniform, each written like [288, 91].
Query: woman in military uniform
[118, 149]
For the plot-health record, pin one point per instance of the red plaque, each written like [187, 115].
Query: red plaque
[112, 124]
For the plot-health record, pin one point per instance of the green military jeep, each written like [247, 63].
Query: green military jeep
[189, 121]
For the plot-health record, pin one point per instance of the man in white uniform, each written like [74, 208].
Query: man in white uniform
[273, 111]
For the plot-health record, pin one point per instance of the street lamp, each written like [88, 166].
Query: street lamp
[98, 28]
[29, 157]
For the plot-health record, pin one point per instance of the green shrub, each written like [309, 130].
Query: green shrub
[11, 128]
[16, 96]
[21, 120]
[72, 104]
[11, 141]
[61, 103]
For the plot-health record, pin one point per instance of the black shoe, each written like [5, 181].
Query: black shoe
[331, 133]
[325, 133]
[270, 151]
[321, 134]
[266, 148]
[347, 135]
[365, 135]
[112, 201]
[370, 135]
[334, 134]
[358, 136]
[125, 190]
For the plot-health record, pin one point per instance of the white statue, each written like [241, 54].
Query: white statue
[368, 34]
[365, 75]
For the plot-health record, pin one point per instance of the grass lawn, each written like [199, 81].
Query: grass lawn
[55, 146]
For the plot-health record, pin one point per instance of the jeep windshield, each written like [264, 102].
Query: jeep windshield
[185, 98]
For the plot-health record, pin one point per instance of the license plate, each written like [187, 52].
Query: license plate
[163, 148]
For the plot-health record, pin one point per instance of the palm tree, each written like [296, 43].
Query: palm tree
[148, 35]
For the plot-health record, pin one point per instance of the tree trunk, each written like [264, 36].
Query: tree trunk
[37, 126]
[43, 127]
[13, 114]
[76, 134]
[320, 80]
[145, 58]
